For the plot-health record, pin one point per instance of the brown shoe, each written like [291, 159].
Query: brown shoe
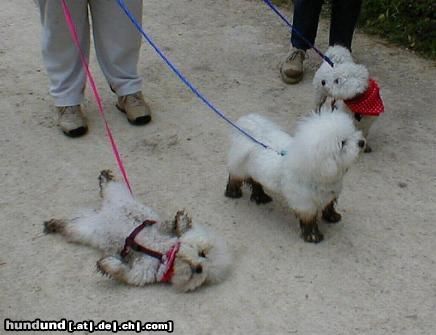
[72, 120]
[135, 108]
[292, 68]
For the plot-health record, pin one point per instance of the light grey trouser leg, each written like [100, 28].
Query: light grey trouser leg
[60, 56]
[117, 43]
[116, 40]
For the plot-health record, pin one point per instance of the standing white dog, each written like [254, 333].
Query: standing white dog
[140, 248]
[309, 174]
[348, 84]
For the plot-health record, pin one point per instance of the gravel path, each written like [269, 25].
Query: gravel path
[375, 272]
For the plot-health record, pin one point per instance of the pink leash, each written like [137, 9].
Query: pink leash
[97, 96]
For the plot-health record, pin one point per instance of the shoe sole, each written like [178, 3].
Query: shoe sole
[140, 121]
[76, 132]
[289, 80]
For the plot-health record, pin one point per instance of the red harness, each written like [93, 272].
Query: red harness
[166, 260]
[367, 103]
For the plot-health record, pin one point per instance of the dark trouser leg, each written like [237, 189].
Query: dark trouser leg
[305, 21]
[343, 21]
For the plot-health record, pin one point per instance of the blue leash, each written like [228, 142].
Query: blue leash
[300, 35]
[179, 74]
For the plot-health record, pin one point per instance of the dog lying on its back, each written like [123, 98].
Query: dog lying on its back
[175, 251]
[310, 173]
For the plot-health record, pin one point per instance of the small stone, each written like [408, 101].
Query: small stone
[402, 184]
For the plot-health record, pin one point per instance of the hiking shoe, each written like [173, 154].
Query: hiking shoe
[135, 108]
[72, 121]
[291, 70]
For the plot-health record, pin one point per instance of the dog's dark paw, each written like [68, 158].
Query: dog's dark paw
[260, 198]
[232, 192]
[332, 217]
[105, 176]
[310, 233]
[53, 226]
[367, 149]
[329, 213]
[313, 237]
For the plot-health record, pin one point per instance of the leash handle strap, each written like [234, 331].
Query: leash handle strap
[85, 65]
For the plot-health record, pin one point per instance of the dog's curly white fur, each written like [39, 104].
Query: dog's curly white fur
[309, 175]
[202, 256]
[344, 81]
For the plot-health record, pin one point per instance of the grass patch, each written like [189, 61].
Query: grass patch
[408, 23]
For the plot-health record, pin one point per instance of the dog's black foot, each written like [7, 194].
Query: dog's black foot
[367, 149]
[257, 193]
[105, 176]
[310, 233]
[233, 193]
[329, 213]
[233, 189]
[313, 237]
[332, 217]
[53, 226]
[260, 198]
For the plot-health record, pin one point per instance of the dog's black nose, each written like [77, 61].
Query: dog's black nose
[322, 82]
[198, 269]
[361, 143]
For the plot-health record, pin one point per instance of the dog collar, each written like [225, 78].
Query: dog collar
[367, 103]
[166, 260]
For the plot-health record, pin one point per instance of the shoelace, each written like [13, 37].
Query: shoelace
[134, 100]
[70, 113]
[294, 54]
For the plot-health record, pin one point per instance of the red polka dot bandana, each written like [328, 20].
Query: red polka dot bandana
[369, 102]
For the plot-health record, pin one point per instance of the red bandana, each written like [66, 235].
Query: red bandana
[367, 103]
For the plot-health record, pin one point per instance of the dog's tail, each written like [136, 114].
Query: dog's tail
[54, 226]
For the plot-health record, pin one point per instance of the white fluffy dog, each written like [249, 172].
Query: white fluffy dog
[152, 251]
[348, 84]
[309, 174]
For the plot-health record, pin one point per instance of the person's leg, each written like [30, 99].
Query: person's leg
[343, 21]
[117, 44]
[60, 56]
[305, 22]
[62, 61]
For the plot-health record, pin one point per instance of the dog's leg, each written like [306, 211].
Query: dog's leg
[103, 179]
[233, 189]
[367, 149]
[309, 228]
[329, 213]
[121, 271]
[84, 230]
[257, 193]
[181, 224]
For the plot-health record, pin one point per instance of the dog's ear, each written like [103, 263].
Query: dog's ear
[182, 222]
[328, 169]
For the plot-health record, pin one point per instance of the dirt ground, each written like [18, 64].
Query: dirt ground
[375, 272]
